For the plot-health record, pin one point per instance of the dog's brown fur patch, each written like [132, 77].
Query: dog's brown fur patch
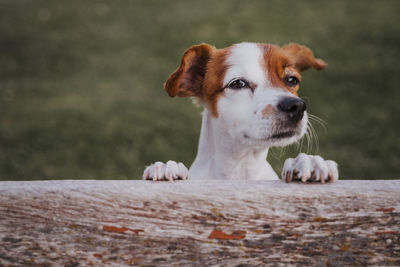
[278, 65]
[200, 74]
[213, 84]
[269, 110]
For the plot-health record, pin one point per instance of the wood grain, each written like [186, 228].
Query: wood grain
[199, 223]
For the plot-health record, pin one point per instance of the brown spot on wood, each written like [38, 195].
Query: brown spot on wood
[345, 247]
[387, 233]
[320, 219]
[236, 235]
[132, 261]
[387, 210]
[258, 231]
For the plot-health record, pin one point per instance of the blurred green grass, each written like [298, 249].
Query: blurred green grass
[81, 91]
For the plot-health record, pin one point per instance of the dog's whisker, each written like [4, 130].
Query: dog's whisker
[301, 142]
[309, 140]
[313, 135]
[309, 135]
[318, 120]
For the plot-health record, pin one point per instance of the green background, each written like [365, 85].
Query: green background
[81, 82]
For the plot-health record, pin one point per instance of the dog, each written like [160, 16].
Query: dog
[250, 96]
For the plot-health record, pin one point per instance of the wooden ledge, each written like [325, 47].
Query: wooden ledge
[207, 222]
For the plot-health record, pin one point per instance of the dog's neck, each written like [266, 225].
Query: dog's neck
[219, 156]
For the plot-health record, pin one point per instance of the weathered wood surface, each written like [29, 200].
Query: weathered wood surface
[117, 223]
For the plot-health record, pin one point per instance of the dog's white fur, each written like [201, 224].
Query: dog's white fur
[235, 144]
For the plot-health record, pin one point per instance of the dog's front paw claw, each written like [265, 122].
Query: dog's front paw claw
[166, 171]
[307, 168]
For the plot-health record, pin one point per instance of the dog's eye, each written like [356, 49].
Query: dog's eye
[238, 84]
[291, 81]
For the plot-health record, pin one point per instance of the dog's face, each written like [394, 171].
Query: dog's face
[251, 89]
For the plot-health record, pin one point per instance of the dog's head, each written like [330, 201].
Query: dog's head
[250, 88]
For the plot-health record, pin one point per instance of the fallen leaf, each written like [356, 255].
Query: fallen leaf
[97, 255]
[236, 235]
[388, 210]
[115, 229]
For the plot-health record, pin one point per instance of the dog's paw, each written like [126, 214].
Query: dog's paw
[307, 168]
[166, 171]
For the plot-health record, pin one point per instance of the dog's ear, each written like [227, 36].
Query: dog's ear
[188, 78]
[303, 58]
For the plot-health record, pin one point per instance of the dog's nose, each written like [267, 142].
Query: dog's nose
[293, 107]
